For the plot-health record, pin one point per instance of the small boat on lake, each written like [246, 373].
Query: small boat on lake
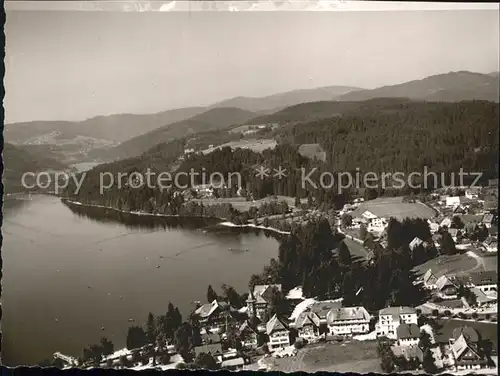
[237, 250]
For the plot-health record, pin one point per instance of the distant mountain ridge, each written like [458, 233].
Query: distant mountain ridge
[213, 119]
[447, 87]
[281, 100]
[136, 133]
[17, 160]
[118, 127]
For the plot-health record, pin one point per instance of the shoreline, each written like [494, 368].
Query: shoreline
[224, 222]
[138, 212]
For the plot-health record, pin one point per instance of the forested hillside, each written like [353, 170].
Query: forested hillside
[18, 160]
[400, 136]
[406, 136]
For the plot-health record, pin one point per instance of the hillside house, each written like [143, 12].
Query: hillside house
[454, 233]
[455, 201]
[278, 333]
[486, 281]
[249, 335]
[347, 321]
[430, 280]
[319, 311]
[460, 209]
[470, 334]
[259, 299]
[408, 334]
[306, 328]
[484, 300]
[446, 289]
[487, 220]
[416, 242]
[467, 355]
[204, 190]
[490, 244]
[472, 193]
[391, 317]
[234, 364]
[445, 222]
[493, 182]
[433, 226]
[212, 316]
[214, 349]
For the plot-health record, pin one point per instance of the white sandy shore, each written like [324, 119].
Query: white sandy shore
[251, 225]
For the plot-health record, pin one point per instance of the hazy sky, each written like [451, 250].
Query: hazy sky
[75, 65]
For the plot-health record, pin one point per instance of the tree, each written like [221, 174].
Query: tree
[136, 337]
[447, 244]
[297, 202]
[277, 303]
[205, 361]
[211, 294]
[344, 255]
[429, 362]
[386, 356]
[183, 341]
[457, 223]
[310, 202]
[425, 341]
[231, 296]
[346, 220]
[151, 329]
[363, 232]
[265, 222]
[93, 355]
[107, 346]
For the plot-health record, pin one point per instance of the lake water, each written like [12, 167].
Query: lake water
[67, 274]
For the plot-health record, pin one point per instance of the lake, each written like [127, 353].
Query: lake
[68, 272]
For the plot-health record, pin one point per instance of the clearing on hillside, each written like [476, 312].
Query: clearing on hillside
[312, 151]
[257, 146]
[394, 207]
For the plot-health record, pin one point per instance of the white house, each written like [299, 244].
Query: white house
[205, 190]
[467, 355]
[377, 225]
[306, 328]
[278, 333]
[415, 243]
[472, 193]
[348, 321]
[368, 215]
[259, 298]
[487, 220]
[391, 317]
[408, 334]
[433, 226]
[491, 245]
[445, 222]
[452, 201]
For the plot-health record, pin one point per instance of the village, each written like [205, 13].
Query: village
[454, 331]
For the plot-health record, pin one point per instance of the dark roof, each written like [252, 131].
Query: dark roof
[210, 338]
[486, 277]
[275, 324]
[212, 349]
[406, 331]
[322, 308]
[469, 333]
